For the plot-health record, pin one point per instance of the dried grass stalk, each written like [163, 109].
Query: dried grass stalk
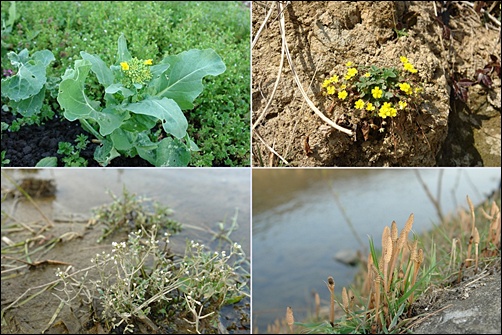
[387, 255]
[417, 260]
[331, 288]
[368, 280]
[394, 232]
[345, 300]
[317, 305]
[494, 232]
[377, 298]
[476, 248]
[290, 319]
[473, 223]
[403, 236]
[413, 255]
[351, 299]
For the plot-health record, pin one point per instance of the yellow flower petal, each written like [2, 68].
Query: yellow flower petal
[377, 92]
[359, 104]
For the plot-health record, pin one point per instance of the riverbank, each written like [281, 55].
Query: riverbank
[466, 301]
[457, 289]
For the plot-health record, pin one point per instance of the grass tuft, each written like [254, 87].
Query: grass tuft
[404, 271]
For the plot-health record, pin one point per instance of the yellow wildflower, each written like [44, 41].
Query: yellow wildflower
[377, 92]
[387, 110]
[334, 79]
[406, 88]
[359, 104]
[410, 67]
[370, 107]
[331, 90]
[343, 86]
[342, 95]
[325, 83]
[403, 59]
[349, 63]
[367, 75]
[351, 72]
[148, 62]
[402, 104]
[124, 66]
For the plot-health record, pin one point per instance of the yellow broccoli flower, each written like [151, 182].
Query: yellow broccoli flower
[135, 72]
[148, 62]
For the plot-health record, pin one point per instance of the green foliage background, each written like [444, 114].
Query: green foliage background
[219, 122]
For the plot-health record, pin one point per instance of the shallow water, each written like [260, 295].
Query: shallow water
[298, 226]
[200, 198]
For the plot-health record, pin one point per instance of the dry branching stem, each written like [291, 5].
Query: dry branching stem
[331, 288]
[298, 83]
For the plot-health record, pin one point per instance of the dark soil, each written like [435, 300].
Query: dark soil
[32, 143]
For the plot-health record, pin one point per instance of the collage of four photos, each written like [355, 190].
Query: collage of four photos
[250, 167]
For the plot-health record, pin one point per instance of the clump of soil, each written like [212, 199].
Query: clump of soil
[322, 37]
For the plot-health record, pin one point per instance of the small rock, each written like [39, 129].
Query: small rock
[348, 257]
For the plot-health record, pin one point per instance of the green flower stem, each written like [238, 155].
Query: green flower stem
[90, 129]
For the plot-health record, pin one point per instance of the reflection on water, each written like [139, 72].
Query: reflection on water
[298, 226]
[199, 197]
